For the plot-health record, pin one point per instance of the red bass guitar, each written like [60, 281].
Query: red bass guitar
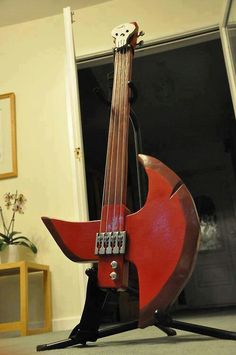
[160, 239]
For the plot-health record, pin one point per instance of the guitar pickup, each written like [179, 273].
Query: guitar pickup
[108, 243]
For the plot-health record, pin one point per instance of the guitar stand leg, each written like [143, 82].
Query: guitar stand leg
[165, 320]
[88, 328]
[167, 330]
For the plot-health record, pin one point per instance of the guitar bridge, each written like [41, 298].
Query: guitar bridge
[108, 243]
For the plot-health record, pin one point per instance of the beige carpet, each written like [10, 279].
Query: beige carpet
[140, 341]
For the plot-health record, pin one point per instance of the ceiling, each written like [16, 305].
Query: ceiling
[16, 11]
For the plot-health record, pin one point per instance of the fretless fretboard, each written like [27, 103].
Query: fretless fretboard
[115, 181]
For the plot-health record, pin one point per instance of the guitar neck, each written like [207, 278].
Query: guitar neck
[115, 181]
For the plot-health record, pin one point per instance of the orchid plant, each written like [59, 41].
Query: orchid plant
[16, 203]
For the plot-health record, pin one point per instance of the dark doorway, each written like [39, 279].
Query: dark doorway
[185, 115]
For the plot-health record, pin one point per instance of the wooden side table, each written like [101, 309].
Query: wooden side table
[24, 268]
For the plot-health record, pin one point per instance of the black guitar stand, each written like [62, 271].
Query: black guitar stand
[88, 328]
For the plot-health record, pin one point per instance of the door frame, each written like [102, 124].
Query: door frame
[73, 104]
[155, 46]
[227, 51]
[75, 139]
[74, 123]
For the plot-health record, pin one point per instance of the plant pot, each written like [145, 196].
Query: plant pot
[13, 253]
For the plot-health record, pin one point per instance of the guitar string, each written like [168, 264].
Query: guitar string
[122, 117]
[124, 140]
[112, 142]
[122, 156]
[117, 140]
[117, 133]
[116, 216]
[116, 100]
[106, 185]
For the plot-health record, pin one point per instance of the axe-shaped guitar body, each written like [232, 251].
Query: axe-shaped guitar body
[162, 239]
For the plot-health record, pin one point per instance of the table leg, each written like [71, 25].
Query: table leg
[47, 300]
[24, 302]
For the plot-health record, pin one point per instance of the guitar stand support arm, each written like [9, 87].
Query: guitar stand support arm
[164, 319]
[88, 328]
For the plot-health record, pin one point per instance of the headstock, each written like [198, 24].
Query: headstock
[126, 35]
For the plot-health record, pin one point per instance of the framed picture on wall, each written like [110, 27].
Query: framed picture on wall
[8, 160]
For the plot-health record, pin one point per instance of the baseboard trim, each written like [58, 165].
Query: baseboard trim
[67, 323]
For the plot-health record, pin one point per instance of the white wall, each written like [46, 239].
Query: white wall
[157, 18]
[32, 66]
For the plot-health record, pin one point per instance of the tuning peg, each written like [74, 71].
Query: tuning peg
[140, 43]
[141, 33]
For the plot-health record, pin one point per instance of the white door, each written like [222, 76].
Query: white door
[76, 141]
[228, 38]
[74, 122]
